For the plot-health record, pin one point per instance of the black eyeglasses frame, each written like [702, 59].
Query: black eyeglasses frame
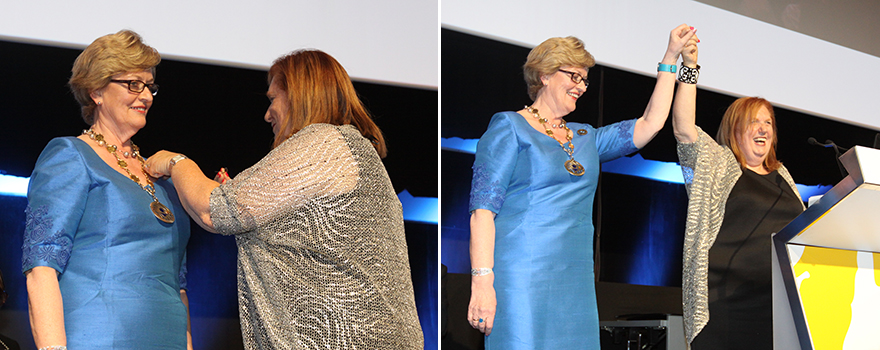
[577, 78]
[138, 86]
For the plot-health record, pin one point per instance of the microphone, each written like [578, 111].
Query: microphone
[837, 151]
[829, 143]
[812, 141]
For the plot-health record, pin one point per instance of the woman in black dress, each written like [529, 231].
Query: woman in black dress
[739, 194]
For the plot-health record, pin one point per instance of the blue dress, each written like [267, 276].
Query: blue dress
[120, 268]
[543, 229]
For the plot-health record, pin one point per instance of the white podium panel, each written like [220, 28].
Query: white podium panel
[826, 265]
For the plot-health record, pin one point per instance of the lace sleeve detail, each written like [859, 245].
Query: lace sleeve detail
[487, 192]
[42, 243]
[316, 161]
[616, 140]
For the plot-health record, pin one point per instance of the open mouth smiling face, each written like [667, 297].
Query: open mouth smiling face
[756, 140]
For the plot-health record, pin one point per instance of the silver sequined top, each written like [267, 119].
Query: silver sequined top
[322, 256]
[710, 172]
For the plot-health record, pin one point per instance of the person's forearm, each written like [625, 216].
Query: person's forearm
[684, 113]
[194, 190]
[45, 307]
[482, 243]
[657, 111]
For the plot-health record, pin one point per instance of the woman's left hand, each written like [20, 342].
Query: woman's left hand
[159, 164]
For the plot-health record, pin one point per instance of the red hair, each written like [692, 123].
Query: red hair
[737, 118]
[319, 90]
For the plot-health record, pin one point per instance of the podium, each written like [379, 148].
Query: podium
[826, 265]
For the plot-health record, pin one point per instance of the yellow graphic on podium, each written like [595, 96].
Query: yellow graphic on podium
[840, 294]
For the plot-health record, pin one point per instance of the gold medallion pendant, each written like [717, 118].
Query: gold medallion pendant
[163, 213]
[159, 210]
[574, 167]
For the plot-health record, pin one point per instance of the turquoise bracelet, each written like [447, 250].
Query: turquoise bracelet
[671, 68]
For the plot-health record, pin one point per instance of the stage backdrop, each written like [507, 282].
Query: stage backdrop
[213, 114]
[817, 57]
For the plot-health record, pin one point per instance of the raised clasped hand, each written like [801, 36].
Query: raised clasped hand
[679, 39]
[690, 51]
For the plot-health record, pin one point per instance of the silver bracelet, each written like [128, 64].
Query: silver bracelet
[177, 158]
[481, 271]
[54, 347]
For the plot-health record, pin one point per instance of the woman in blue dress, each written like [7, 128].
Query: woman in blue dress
[532, 202]
[104, 246]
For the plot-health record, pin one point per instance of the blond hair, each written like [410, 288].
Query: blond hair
[109, 55]
[549, 56]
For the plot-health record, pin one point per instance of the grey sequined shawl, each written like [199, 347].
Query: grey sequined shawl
[322, 256]
[710, 172]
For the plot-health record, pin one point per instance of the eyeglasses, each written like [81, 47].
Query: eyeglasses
[577, 78]
[138, 86]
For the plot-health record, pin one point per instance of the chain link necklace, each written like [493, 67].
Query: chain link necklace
[571, 165]
[159, 210]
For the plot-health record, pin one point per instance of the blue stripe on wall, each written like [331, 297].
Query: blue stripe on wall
[633, 166]
[416, 209]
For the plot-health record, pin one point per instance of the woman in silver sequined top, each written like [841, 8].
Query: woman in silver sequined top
[322, 256]
[739, 194]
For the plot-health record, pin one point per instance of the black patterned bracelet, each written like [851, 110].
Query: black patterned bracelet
[688, 75]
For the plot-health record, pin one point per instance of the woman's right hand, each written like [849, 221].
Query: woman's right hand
[159, 164]
[482, 304]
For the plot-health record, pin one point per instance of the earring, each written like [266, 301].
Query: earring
[99, 103]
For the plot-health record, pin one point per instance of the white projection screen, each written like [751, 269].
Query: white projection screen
[748, 47]
[383, 41]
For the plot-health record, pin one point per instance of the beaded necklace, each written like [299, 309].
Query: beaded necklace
[159, 210]
[571, 165]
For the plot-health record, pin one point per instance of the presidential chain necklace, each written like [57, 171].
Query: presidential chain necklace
[159, 210]
[571, 165]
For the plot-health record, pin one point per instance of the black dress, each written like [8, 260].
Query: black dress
[740, 285]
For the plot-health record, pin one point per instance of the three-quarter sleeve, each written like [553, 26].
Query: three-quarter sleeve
[57, 194]
[316, 161]
[494, 164]
[615, 140]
